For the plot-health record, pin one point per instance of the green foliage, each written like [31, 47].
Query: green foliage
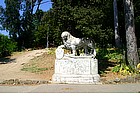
[123, 69]
[88, 18]
[11, 17]
[114, 58]
[41, 29]
[138, 68]
[112, 54]
[7, 46]
[116, 68]
[18, 18]
[51, 51]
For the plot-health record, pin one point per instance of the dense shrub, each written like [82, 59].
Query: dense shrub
[7, 46]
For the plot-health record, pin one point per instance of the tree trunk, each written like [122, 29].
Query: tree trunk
[116, 25]
[132, 53]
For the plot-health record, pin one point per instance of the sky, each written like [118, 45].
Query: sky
[45, 7]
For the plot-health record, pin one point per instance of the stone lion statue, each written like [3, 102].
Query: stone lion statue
[76, 44]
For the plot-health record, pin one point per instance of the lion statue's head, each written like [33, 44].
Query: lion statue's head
[65, 36]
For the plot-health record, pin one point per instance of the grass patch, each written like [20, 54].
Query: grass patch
[43, 64]
[33, 69]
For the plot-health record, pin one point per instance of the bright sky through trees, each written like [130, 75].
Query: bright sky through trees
[47, 4]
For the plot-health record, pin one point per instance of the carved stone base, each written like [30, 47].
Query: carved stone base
[76, 79]
[76, 69]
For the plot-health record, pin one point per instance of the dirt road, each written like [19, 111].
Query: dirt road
[10, 68]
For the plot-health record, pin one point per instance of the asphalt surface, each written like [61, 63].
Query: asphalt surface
[73, 88]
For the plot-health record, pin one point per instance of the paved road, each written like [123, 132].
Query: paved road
[71, 88]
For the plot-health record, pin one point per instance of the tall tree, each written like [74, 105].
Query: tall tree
[27, 22]
[137, 20]
[11, 18]
[84, 18]
[132, 53]
[18, 19]
[116, 24]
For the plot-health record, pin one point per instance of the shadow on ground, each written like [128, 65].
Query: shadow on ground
[6, 60]
[104, 65]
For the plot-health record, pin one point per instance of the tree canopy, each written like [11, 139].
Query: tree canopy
[92, 18]
[32, 27]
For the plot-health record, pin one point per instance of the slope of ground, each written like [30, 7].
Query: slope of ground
[39, 65]
[10, 67]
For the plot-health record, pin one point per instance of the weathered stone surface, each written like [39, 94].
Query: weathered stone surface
[59, 53]
[76, 70]
[80, 79]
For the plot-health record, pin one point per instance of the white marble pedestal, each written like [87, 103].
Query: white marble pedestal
[77, 70]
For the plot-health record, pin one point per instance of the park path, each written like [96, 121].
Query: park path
[10, 67]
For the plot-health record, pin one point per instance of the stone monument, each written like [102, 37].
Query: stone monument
[76, 68]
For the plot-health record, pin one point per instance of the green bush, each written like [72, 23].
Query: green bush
[109, 54]
[7, 46]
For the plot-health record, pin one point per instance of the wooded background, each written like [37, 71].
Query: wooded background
[34, 28]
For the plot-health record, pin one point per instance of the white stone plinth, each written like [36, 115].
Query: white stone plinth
[76, 69]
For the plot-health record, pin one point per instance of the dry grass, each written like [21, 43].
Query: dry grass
[42, 65]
